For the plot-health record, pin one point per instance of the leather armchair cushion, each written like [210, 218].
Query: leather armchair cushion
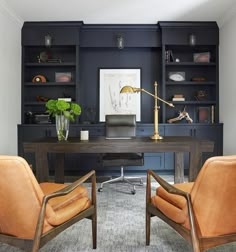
[173, 206]
[176, 200]
[60, 202]
[65, 207]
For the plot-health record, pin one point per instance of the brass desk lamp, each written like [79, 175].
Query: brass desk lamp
[129, 89]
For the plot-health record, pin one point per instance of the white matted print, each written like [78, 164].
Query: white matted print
[111, 100]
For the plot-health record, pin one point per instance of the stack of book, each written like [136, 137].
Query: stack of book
[178, 97]
[169, 56]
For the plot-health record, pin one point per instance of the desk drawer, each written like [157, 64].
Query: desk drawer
[148, 130]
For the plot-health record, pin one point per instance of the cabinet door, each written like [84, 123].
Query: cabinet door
[31, 133]
[148, 130]
[214, 133]
[154, 161]
[177, 130]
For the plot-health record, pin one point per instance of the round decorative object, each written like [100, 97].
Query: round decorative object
[176, 77]
[39, 78]
[201, 95]
[43, 56]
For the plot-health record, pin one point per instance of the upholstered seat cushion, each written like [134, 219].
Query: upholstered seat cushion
[65, 207]
[173, 206]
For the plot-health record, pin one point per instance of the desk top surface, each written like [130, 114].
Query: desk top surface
[103, 145]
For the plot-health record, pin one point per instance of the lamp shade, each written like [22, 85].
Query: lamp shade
[129, 89]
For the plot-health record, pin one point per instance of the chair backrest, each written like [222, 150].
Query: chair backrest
[20, 198]
[214, 196]
[120, 126]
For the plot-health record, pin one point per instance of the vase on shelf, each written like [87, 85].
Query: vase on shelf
[62, 127]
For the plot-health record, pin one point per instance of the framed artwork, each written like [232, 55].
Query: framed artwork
[111, 101]
[204, 115]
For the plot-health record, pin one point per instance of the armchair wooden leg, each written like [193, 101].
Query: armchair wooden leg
[148, 215]
[94, 230]
[148, 226]
[94, 216]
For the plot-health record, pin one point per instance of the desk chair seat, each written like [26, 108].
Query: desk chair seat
[121, 126]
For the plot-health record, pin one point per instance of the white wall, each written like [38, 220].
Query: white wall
[228, 84]
[10, 80]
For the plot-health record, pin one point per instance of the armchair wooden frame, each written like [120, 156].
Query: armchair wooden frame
[41, 239]
[198, 243]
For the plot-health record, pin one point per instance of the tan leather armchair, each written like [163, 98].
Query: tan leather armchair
[202, 212]
[32, 214]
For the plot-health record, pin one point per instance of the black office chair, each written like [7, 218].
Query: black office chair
[121, 127]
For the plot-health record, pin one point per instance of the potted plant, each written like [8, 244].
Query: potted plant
[64, 112]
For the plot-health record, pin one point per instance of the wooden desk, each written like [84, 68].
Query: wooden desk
[178, 145]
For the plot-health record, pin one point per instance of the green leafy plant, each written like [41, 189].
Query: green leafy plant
[60, 107]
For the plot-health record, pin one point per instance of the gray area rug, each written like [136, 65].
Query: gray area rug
[121, 228]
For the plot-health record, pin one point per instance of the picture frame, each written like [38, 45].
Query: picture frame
[111, 101]
[204, 115]
[203, 57]
[63, 77]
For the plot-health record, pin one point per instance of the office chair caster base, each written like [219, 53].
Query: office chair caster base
[133, 192]
[100, 189]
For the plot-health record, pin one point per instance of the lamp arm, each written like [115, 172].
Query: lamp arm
[157, 97]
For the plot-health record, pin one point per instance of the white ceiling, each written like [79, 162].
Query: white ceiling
[122, 11]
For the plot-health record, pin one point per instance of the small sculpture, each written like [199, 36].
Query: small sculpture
[201, 95]
[182, 115]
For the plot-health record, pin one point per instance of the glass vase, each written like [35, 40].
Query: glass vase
[62, 127]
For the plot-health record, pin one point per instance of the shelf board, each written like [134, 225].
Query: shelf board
[171, 83]
[190, 64]
[29, 64]
[194, 102]
[41, 84]
[34, 103]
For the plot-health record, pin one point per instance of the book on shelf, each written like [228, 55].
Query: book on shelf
[178, 97]
[169, 56]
